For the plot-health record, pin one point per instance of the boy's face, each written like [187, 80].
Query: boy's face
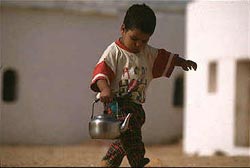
[134, 39]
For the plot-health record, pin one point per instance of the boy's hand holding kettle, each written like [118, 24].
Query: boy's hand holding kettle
[106, 94]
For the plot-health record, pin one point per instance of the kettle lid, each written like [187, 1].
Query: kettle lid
[104, 116]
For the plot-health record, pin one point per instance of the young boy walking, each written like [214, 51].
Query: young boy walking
[125, 70]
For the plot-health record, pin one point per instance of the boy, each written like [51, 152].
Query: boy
[125, 70]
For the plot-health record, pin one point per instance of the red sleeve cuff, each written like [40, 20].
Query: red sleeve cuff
[101, 71]
[164, 64]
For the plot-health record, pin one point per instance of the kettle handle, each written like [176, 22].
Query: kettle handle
[93, 105]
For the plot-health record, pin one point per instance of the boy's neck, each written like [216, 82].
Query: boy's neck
[121, 44]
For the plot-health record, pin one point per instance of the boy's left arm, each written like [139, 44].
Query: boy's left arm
[185, 64]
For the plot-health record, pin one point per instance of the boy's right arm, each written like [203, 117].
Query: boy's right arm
[106, 94]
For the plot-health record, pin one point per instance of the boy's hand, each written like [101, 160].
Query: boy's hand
[106, 95]
[188, 65]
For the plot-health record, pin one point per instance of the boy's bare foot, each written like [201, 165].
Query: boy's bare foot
[103, 163]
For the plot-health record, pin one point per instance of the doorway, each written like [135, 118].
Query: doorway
[242, 124]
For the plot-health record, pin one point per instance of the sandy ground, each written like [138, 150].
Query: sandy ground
[89, 154]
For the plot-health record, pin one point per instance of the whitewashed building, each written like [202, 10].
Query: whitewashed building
[48, 52]
[217, 110]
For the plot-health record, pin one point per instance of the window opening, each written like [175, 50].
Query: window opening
[9, 85]
[178, 92]
[212, 77]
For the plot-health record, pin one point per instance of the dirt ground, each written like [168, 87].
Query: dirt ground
[89, 154]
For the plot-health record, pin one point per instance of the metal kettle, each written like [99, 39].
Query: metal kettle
[105, 126]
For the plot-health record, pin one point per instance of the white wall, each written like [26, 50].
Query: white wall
[216, 31]
[1, 78]
[54, 54]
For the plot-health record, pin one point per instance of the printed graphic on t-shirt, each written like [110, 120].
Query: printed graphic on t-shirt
[134, 81]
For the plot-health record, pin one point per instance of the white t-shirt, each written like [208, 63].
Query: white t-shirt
[132, 72]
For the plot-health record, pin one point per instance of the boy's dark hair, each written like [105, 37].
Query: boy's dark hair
[141, 17]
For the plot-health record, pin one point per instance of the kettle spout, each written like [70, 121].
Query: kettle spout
[124, 126]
